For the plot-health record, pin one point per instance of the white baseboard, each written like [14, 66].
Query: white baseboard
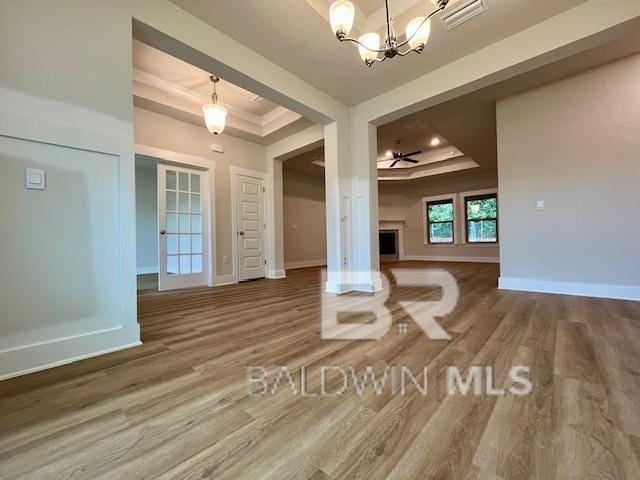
[146, 270]
[225, 280]
[618, 292]
[446, 258]
[41, 356]
[276, 274]
[305, 264]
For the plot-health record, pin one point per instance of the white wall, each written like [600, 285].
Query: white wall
[67, 269]
[574, 144]
[146, 215]
[304, 220]
[403, 201]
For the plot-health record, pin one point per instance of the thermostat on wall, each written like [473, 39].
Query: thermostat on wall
[35, 179]
[217, 148]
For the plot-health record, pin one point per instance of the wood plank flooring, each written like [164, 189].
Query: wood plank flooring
[178, 406]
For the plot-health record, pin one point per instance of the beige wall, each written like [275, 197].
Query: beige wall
[304, 219]
[403, 201]
[576, 145]
[164, 132]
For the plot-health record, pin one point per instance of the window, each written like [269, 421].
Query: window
[481, 218]
[440, 218]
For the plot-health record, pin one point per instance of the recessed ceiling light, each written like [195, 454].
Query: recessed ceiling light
[435, 141]
[258, 99]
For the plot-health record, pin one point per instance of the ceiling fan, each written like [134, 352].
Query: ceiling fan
[398, 156]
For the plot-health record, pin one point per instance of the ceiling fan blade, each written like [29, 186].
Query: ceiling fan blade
[410, 160]
[394, 163]
[412, 154]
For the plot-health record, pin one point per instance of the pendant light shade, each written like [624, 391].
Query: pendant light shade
[341, 16]
[215, 116]
[418, 32]
[370, 42]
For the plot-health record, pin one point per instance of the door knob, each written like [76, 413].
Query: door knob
[241, 233]
[162, 232]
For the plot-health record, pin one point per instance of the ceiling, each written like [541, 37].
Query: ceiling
[469, 122]
[295, 34]
[185, 75]
[169, 86]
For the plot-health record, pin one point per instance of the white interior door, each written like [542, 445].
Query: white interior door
[183, 213]
[250, 222]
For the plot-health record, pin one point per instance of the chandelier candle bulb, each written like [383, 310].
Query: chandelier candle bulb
[418, 31]
[341, 16]
[370, 42]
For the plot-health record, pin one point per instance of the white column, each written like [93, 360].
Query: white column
[366, 258]
[352, 207]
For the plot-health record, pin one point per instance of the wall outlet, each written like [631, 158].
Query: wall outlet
[35, 179]
[225, 259]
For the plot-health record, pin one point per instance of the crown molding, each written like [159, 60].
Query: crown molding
[185, 93]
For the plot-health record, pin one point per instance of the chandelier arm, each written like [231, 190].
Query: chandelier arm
[349, 39]
[404, 54]
[420, 26]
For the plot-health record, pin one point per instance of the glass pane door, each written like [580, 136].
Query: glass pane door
[181, 220]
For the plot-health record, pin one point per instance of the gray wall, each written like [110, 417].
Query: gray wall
[146, 215]
[304, 219]
[160, 131]
[576, 145]
[403, 201]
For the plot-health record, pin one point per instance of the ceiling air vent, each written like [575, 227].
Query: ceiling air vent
[416, 124]
[463, 11]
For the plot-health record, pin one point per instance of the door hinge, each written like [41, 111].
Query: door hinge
[265, 261]
[264, 189]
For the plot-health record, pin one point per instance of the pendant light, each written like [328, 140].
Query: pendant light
[215, 115]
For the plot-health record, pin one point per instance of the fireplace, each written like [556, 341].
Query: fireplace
[391, 240]
[388, 241]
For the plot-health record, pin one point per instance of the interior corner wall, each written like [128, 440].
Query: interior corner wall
[304, 220]
[402, 201]
[575, 144]
[146, 215]
[160, 131]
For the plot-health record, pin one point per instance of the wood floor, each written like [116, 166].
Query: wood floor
[178, 408]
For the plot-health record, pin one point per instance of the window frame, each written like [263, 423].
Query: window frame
[440, 200]
[481, 195]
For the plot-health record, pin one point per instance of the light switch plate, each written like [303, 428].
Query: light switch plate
[539, 204]
[35, 179]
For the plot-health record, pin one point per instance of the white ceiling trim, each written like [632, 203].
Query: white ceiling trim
[439, 168]
[177, 90]
[425, 158]
[378, 19]
[185, 93]
[274, 114]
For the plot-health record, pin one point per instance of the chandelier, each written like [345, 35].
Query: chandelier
[215, 115]
[342, 14]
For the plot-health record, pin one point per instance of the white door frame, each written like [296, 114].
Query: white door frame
[180, 159]
[247, 172]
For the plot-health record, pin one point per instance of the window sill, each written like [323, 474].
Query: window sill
[480, 245]
[462, 245]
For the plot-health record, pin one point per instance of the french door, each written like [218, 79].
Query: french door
[183, 199]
